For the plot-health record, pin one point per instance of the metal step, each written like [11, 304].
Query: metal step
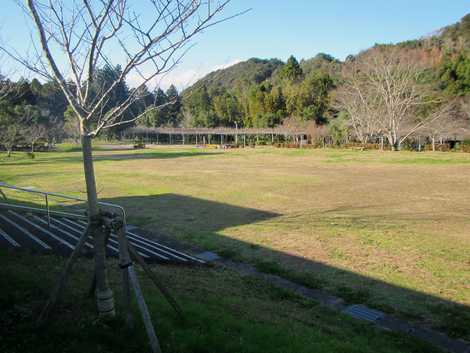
[34, 231]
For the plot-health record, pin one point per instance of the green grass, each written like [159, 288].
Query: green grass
[387, 228]
[223, 313]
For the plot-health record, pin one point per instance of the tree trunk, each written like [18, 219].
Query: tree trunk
[391, 141]
[433, 144]
[104, 295]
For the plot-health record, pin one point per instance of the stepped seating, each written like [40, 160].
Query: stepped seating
[29, 230]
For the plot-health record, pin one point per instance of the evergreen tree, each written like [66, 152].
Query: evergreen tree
[291, 70]
[172, 110]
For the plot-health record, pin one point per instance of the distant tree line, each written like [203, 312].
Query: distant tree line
[33, 112]
[386, 94]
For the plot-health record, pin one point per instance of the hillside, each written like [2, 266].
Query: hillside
[452, 38]
[252, 71]
[261, 93]
[457, 36]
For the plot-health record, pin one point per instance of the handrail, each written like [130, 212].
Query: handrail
[47, 194]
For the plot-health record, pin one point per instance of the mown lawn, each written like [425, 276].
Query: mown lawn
[390, 229]
[223, 313]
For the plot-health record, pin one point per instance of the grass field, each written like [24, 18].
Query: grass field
[224, 313]
[388, 229]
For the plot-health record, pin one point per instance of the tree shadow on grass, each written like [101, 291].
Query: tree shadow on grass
[201, 222]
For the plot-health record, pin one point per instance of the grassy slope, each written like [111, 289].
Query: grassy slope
[389, 229]
[225, 313]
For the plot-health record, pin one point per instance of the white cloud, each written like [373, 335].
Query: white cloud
[180, 77]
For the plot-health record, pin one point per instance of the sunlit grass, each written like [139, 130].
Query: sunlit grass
[389, 228]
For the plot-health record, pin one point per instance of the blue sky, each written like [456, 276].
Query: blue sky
[275, 28]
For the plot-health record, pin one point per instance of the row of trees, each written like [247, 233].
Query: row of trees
[388, 92]
[380, 94]
[31, 111]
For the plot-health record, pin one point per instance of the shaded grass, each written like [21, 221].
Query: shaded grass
[224, 313]
[387, 228]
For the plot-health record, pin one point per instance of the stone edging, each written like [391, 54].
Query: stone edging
[358, 311]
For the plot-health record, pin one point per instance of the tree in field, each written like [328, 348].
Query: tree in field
[383, 94]
[9, 133]
[15, 104]
[76, 40]
[356, 99]
[450, 119]
[51, 105]
[33, 133]
[55, 130]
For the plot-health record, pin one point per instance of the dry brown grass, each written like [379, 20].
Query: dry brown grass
[391, 229]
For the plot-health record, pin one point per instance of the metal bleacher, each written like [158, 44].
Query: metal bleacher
[43, 228]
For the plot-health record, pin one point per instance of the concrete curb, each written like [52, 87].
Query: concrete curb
[358, 311]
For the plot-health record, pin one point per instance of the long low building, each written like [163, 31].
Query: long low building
[214, 135]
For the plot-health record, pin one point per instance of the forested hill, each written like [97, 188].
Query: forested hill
[246, 73]
[262, 93]
[456, 37]
[256, 92]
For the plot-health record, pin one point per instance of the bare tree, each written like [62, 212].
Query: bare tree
[383, 96]
[33, 133]
[76, 38]
[445, 121]
[55, 130]
[9, 134]
[316, 133]
[355, 96]
[395, 82]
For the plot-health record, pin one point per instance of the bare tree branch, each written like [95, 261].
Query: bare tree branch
[80, 35]
[382, 95]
